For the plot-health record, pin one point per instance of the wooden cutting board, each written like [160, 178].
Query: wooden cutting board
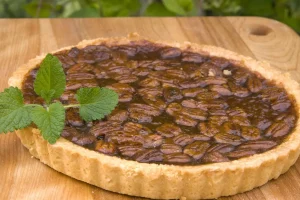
[24, 177]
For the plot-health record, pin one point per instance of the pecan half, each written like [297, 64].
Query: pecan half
[80, 76]
[236, 112]
[238, 91]
[290, 120]
[262, 124]
[177, 158]
[155, 102]
[196, 149]
[144, 109]
[254, 84]
[192, 57]
[221, 148]
[73, 118]
[149, 82]
[185, 120]
[173, 109]
[168, 130]
[241, 153]
[140, 117]
[232, 128]
[83, 139]
[208, 95]
[195, 104]
[221, 89]
[228, 138]
[281, 105]
[129, 150]
[215, 80]
[106, 148]
[152, 141]
[218, 120]
[170, 53]
[183, 139]
[170, 148]
[118, 115]
[103, 128]
[240, 76]
[195, 113]
[261, 145]
[214, 157]
[148, 156]
[208, 129]
[250, 133]
[242, 121]
[171, 94]
[192, 92]
[277, 129]
[69, 132]
[193, 83]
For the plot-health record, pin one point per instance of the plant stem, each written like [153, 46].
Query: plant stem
[72, 106]
[33, 105]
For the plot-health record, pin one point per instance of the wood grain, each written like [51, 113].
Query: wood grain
[24, 177]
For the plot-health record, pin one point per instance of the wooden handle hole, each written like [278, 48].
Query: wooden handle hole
[260, 30]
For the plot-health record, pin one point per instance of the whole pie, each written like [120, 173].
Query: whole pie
[192, 121]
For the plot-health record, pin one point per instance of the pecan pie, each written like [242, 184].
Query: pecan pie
[192, 121]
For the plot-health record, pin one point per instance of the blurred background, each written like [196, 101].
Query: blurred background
[286, 11]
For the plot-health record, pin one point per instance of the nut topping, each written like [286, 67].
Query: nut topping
[152, 141]
[177, 158]
[175, 106]
[170, 148]
[254, 84]
[214, 157]
[183, 139]
[196, 149]
[149, 155]
[105, 147]
[278, 129]
[228, 138]
[168, 130]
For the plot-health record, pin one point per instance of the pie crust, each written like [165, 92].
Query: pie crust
[161, 181]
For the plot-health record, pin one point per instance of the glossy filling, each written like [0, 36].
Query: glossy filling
[174, 107]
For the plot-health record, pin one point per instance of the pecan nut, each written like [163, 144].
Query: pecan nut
[177, 158]
[152, 141]
[129, 150]
[183, 139]
[228, 138]
[214, 157]
[105, 147]
[168, 130]
[196, 149]
[149, 155]
[277, 129]
[170, 148]
[254, 84]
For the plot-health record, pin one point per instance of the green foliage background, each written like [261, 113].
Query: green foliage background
[286, 11]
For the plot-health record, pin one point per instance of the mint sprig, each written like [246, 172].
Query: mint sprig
[13, 112]
[93, 103]
[50, 121]
[50, 80]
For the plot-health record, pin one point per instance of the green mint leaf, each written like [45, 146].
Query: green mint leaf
[48, 95]
[50, 122]
[13, 114]
[50, 80]
[174, 6]
[96, 102]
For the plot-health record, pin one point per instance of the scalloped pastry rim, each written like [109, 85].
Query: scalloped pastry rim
[162, 181]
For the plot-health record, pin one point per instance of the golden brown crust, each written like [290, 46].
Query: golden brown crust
[167, 181]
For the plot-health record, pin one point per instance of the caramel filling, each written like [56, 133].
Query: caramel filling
[175, 107]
